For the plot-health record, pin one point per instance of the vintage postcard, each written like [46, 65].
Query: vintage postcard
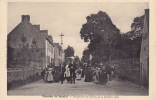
[78, 49]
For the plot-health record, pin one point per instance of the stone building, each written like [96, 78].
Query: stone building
[58, 54]
[49, 51]
[28, 46]
[144, 54]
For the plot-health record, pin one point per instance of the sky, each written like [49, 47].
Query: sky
[68, 18]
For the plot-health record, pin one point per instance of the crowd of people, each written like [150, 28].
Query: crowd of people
[61, 73]
[99, 74]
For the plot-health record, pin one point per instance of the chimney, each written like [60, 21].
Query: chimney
[147, 11]
[37, 27]
[44, 32]
[25, 18]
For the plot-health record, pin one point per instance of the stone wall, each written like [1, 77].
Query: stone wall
[20, 76]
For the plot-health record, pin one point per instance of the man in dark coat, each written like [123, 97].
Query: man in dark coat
[83, 70]
[88, 74]
[103, 77]
[57, 70]
[108, 69]
[42, 74]
[62, 74]
[72, 72]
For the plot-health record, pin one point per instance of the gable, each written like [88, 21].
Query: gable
[26, 30]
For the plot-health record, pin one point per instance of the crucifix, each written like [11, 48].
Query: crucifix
[61, 38]
[61, 46]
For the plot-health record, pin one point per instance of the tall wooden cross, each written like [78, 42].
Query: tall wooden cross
[61, 38]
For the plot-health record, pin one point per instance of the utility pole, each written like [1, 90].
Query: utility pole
[61, 46]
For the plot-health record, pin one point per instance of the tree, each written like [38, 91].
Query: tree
[102, 34]
[69, 52]
[136, 28]
[131, 43]
[138, 23]
[85, 57]
[130, 48]
[76, 60]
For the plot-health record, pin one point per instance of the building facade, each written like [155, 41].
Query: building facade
[144, 54]
[49, 51]
[28, 46]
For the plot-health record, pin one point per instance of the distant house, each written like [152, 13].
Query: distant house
[144, 54]
[49, 51]
[59, 54]
[29, 46]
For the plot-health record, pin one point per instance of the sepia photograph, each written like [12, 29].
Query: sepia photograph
[79, 49]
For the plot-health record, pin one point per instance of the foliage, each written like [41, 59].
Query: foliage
[76, 60]
[136, 28]
[126, 69]
[102, 34]
[85, 57]
[69, 52]
[132, 39]
[105, 41]
[131, 48]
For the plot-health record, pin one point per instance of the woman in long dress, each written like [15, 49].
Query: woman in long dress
[103, 76]
[87, 75]
[50, 77]
[97, 75]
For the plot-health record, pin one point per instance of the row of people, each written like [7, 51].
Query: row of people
[99, 75]
[60, 73]
[69, 72]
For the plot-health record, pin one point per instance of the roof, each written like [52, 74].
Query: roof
[24, 29]
[58, 46]
[49, 38]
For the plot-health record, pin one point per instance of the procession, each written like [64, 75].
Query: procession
[69, 72]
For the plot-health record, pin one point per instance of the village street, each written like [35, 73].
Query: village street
[94, 40]
[115, 88]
